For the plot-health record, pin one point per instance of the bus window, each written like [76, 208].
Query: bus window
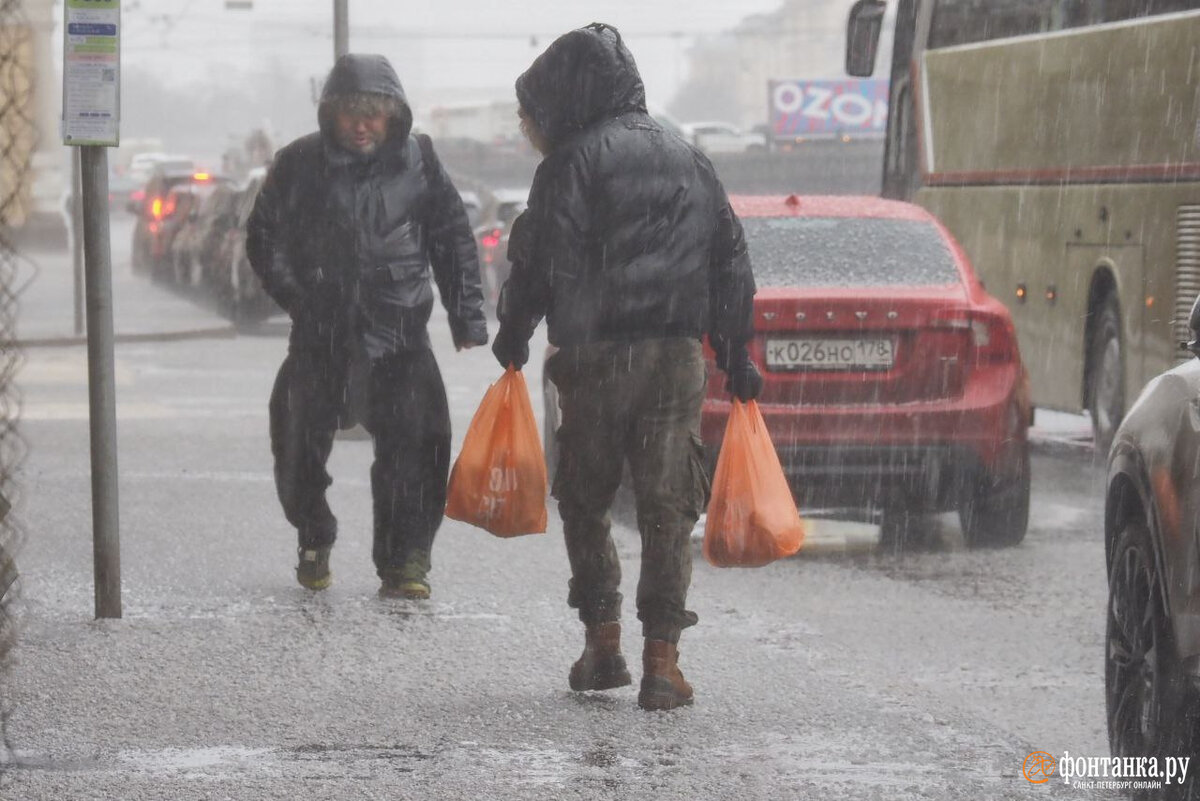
[957, 22]
[1116, 10]
[901, 172]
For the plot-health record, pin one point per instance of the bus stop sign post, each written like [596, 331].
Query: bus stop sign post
[77, 240]
[91, 111]
[341, 28]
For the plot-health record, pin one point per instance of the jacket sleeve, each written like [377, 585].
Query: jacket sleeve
[265, 246]
[731, 290]
[454, 257]
[525, 295]
[544, 240]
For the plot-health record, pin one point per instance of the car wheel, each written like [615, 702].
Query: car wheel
[1106, 390]
[995, 512]
[1150, 707]
[903, 529]
[247, 308]
[550, 422]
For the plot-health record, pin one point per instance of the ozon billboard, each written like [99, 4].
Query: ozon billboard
[800, 108]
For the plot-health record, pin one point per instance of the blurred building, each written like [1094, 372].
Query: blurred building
[728, 74]
[35, 164]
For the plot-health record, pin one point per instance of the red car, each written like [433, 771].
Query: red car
[893, 384]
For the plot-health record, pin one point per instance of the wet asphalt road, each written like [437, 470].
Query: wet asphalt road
[840, 673]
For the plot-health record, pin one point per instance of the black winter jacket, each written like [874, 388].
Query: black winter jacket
[628, 234]
[344, 242]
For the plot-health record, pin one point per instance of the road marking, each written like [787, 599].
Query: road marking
[54, 411]
[66, 370]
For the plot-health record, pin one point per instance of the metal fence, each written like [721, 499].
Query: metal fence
[17, 134]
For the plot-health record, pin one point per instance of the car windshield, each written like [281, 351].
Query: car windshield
[843, 251]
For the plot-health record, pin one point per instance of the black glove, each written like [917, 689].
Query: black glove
[510, 348]
[744, 382]
[467, 333]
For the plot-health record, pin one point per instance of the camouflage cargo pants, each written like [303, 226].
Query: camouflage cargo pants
[637, 402]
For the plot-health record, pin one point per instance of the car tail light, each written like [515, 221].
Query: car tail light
[992, 336]
[492, 238]
[201, 177]
[162, 207]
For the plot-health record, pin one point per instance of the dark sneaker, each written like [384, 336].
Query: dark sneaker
[417, 590]
[410, 581]
[313, 570]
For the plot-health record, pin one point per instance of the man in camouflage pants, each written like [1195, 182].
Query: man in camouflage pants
[631, 251]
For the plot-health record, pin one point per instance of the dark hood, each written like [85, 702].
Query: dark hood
[585, 76]
[360, 72]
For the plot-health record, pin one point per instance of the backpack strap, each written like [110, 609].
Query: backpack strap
[428, 159]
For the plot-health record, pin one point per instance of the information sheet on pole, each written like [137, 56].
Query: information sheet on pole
[91, 72]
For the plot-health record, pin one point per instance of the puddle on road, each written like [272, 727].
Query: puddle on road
[785, 762]
[224, 759]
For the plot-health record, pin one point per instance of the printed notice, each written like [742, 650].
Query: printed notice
[91, 72]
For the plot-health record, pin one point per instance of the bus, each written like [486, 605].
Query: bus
[1059, 140]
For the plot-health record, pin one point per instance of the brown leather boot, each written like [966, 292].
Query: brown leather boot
[602, 667]
[663, 686]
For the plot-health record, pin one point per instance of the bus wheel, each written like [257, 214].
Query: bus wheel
[1106, 392]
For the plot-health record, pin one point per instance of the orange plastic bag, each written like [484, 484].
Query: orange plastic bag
[499, 479]
[752, 516]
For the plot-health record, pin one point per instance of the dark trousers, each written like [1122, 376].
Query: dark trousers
[637, 402]
[404, 409]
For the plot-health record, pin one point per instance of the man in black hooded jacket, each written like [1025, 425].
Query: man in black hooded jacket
[631, 251]
[342, 236]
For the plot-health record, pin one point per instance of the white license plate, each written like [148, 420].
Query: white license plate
[830, 354]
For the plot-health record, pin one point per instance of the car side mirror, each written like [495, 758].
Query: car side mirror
[862, 37]
[1194, 326]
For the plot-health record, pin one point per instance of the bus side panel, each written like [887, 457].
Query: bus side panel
[1013, 243]
[1057, 243]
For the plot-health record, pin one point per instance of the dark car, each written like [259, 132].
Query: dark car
[491, 236]
[228, 273]
[1152, 503]
[171, 197]
[893, 386]
[201, 232]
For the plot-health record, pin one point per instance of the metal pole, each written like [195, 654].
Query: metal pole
[77, 239]
[341, 28]
[106, 545]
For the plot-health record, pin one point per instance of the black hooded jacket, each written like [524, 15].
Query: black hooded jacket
[344, 242]
[628, 234]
